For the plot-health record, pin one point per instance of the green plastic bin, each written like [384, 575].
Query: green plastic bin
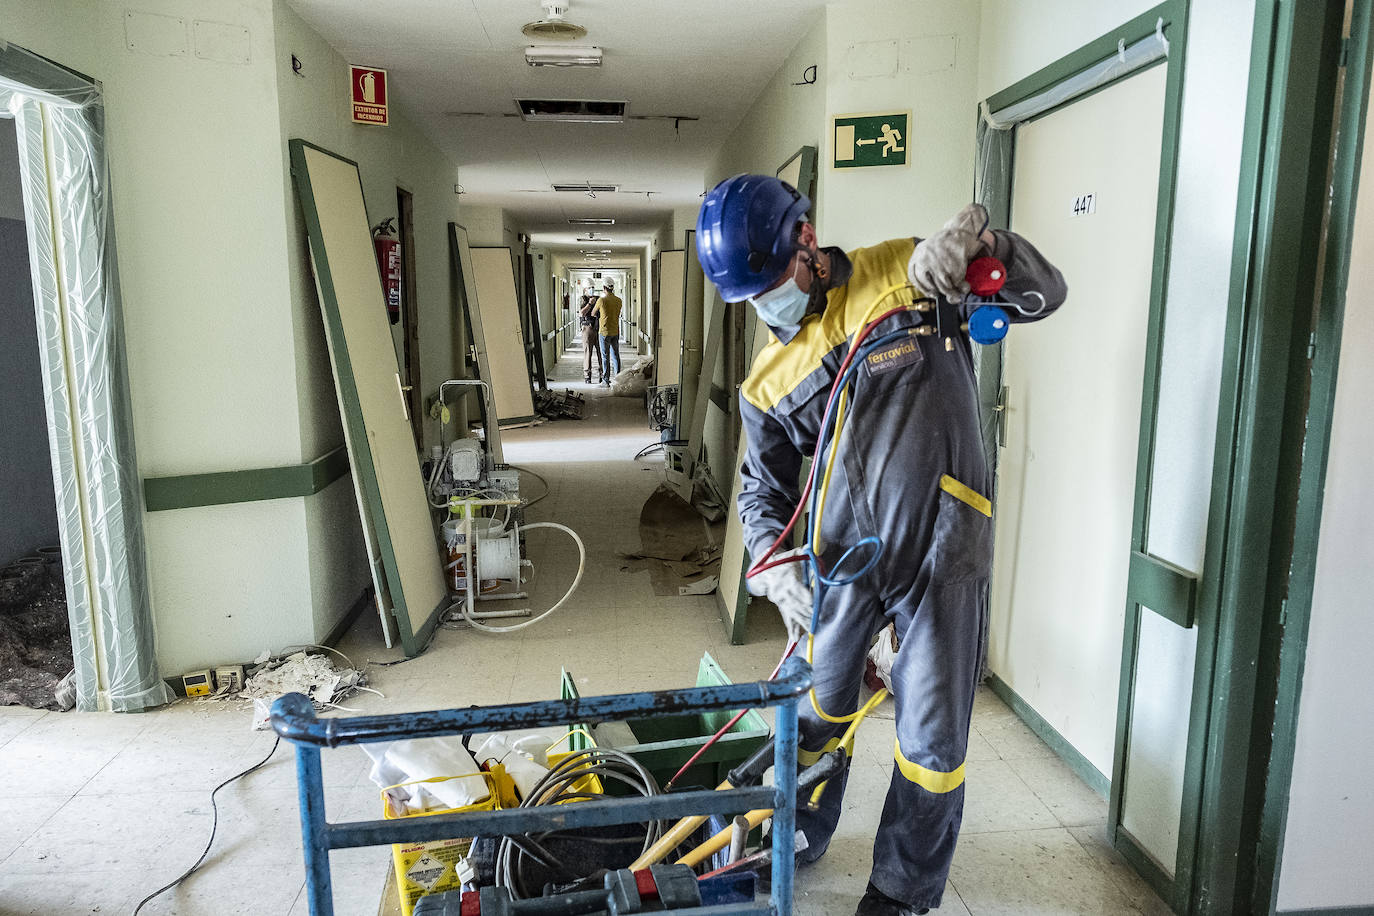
[664, 743]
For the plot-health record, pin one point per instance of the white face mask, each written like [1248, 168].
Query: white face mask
[782, 306]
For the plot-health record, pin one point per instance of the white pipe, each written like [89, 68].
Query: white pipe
[577, 580]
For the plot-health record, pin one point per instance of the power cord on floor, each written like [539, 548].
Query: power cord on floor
[547, 488]
[214, 825]
[648, 449]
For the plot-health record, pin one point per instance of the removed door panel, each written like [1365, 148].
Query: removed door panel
[494, 284]
[367, 379]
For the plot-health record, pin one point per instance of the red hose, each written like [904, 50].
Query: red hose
[761, 564]
[791, 647]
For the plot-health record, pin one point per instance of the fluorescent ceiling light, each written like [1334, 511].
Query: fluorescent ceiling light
[562, 56]
[589, 220]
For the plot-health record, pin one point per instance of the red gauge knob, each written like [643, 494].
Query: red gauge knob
[985, 276]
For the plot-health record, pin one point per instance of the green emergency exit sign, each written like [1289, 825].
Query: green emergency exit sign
[861, 141]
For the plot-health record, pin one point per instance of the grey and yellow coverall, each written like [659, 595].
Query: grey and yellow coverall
[911, 470]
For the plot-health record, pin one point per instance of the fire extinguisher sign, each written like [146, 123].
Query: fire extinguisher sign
[368, 95]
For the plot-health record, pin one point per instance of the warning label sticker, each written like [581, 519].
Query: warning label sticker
[426, 871]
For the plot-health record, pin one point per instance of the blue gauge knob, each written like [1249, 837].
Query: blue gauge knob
[988, 324]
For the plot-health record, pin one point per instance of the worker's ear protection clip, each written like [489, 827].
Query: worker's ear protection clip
[819, 269]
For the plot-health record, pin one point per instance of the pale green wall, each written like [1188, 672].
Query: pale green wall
[198, 202]
[227, 365]
[864, 206]
[485, 226]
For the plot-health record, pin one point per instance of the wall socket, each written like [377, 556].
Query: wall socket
[228, 678]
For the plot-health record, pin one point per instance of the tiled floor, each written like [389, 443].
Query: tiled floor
[97, 811]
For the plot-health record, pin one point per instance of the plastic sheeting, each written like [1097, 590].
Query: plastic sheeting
[60, 120]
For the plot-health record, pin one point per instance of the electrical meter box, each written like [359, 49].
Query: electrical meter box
[197, 683]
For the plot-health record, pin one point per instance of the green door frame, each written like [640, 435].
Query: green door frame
[1325, 335]
[1295, 60]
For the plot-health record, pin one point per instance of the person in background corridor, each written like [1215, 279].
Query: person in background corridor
[590, 347]
[608, 309]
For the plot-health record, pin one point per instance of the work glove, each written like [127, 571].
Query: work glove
[784, 586]
[939, 263]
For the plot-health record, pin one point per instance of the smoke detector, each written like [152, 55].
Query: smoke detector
[555, 24]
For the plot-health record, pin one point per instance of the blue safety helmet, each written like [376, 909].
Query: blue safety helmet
[745, 236]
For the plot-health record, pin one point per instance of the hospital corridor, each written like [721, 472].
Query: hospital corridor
[560, 457]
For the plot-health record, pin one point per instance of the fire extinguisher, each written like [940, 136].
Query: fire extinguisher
[388, 249]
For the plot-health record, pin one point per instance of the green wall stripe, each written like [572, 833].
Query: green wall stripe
[1364, 910]
[1082, 767]
[1162, 587]
[252, 485]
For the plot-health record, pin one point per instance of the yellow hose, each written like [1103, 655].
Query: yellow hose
[758, 816]
[673, 838]
[721, 840]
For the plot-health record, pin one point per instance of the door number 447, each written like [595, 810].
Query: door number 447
[1085, 204]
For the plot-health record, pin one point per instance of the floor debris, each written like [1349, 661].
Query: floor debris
[316, 676]
[678, 548]
[559, 405]
[36, 644]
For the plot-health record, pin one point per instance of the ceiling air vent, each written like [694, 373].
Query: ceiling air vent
[587, 112]
[591, 220]
[586, 187]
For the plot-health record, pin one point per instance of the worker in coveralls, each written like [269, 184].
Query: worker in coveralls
[910, 469]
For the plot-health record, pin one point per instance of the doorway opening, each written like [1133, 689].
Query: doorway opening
[58, 119]
[35, 643]
[410, 312]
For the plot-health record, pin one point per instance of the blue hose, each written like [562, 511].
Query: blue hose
[820, 581]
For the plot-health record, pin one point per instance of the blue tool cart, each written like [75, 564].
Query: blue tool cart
[293, 718]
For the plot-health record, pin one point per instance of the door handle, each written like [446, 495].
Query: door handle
[401, 392]
[1001, 409]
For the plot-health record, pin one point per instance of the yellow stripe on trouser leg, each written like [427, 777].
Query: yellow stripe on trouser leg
[966, 494]
[930, 780]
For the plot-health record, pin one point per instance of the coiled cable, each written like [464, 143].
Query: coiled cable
[567, 782]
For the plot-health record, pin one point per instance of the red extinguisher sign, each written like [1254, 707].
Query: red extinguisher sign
[388, 249]
[368, 94]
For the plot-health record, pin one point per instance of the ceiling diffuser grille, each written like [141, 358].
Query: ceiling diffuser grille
[584, 187]
[580, 110]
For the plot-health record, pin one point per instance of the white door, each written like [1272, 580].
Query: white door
[671, 277]
[494, 284]
[1067, 471]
